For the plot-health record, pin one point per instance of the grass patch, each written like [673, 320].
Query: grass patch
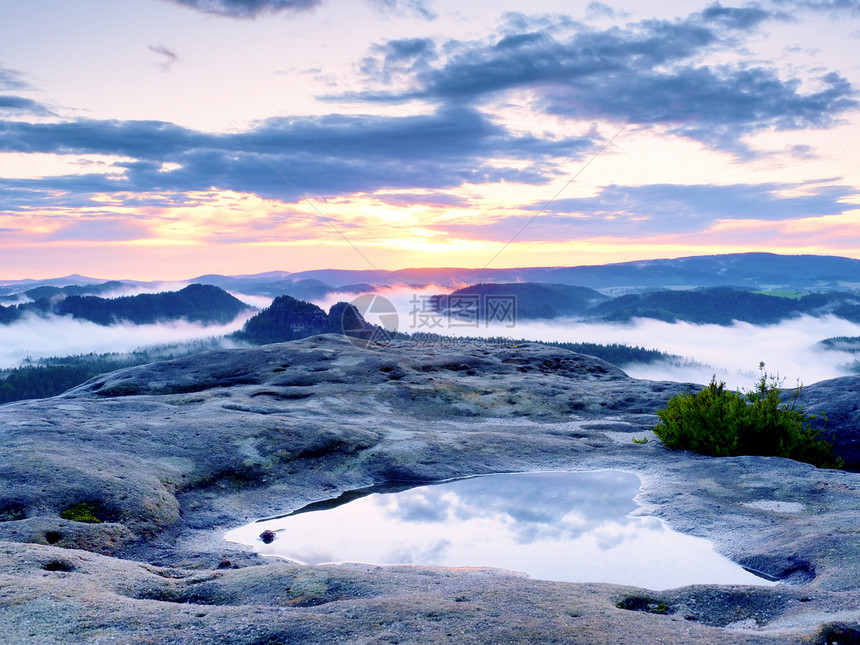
[81, 512]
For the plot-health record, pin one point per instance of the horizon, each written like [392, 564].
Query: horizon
[177, 280]
[234, 136]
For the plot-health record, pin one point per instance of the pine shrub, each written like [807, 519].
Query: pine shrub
[722, 423]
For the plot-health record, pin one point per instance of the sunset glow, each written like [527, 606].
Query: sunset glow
[242, 137]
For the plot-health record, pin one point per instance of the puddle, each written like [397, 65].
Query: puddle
[564, 526]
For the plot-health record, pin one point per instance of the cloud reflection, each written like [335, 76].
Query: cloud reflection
[556, 526]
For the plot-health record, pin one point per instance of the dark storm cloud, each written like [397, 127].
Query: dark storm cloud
[323, 155]
[247, 8]
[646, 73]
[661, 209]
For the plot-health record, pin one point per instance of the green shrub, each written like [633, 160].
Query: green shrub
[722, 423]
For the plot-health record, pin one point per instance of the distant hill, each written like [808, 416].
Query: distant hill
[752, 270]
[723, 305]
[272, 285]
[47, 291]
[712, 305]
[531, 300]
[755, 271]
[195, 303]
[198, 303]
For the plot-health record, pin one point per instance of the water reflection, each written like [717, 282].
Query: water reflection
[556, 526]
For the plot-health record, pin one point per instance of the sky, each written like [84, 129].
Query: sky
[165, 139]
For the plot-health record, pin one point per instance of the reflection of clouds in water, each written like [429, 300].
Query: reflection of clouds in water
[532, 508]
[611, 536]
[418, 505]
[307, 555]
[432, 553]
[553, 526]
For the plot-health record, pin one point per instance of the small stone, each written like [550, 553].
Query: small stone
[267, 536]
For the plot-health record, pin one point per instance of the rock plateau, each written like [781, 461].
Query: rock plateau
[168, 456]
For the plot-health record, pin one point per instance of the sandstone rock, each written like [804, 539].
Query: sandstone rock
[839, 400]
[175, 453]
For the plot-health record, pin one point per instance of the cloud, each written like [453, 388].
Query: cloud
[419, 8]
[398, 58]
[19, 105]
[326, 155]
[11, 79]
[596, 10]
[647, 73]
[169, 57]
[247, 8]
[103, 230]
[834, 7]
[435, 200]
[16, 105]
[658, 209]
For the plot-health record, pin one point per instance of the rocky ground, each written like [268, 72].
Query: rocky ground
[169, 455]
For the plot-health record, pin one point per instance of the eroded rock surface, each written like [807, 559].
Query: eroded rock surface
[168, 456]
[838, 400]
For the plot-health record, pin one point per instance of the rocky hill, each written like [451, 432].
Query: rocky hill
[196, 303]
[290, 319]
[169, 455]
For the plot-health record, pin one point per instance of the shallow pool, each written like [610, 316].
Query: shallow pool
[566, 526]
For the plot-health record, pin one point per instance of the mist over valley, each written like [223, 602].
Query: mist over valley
[702, 330]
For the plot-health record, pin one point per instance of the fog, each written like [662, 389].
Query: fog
[260, 302]
[137, 289]
[36, 337]
[732, 353]
[405, 299]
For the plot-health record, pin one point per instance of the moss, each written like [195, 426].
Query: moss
[81, 512]
[644, 604]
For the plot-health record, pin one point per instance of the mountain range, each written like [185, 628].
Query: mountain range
[757, 271]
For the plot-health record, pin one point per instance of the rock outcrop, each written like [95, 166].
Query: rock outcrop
[289, 319]
[168, 456]
[837, 403]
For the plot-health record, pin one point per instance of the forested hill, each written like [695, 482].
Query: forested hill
[714, 305]
[723, 305]
[533, 300]
[199, 303]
